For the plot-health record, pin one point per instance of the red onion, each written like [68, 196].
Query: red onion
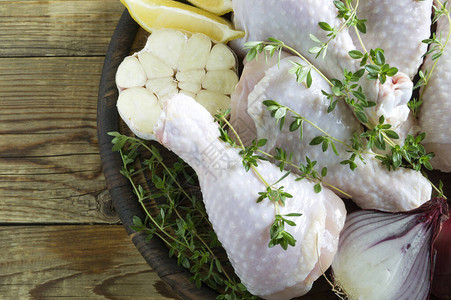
[441, 283]
[385, 255]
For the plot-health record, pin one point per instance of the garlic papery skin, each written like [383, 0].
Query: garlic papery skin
[388, 255]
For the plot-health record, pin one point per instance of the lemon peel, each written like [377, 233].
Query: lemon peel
[217, 7]
[157, 14]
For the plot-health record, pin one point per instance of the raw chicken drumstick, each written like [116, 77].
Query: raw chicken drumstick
[371, 185]
[435, 112]
[397, 27]
[241, 224]
[293, 21]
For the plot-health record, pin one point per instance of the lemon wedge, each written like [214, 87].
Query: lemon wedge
[217, 7]
[156, 14]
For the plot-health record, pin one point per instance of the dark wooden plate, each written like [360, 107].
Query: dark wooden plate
[126, 38]
[125, 203]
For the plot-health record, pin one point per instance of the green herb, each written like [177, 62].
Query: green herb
[276, 195]
[279, 112]
[282, 158]
[303, 73]
[278, 234]
[270, 47]
[379, 69]
[414, 104]
[440, 11]
[325, 141]
[308, 171]
[411, 155]
[412, 151]
[376, 137]
[348, 14]
[436, 48]
[180, 221]
[423, 79]
[249, 156]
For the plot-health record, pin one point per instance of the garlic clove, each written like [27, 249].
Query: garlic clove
[162, 87]
[130, 73]
[213, 101]
[168, 45]
[190, 87]
[139, 109]
[193, 76]
[221, 58]
[221, 81]
[153, 66]
[195, 53]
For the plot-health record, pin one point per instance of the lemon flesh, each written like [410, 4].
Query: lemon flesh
[156, 14]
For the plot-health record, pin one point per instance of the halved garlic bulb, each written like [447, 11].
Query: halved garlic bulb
[172, 62]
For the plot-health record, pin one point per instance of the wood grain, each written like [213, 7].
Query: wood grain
[91, 262]
[57, 27]
[51, 57]
[50, 170]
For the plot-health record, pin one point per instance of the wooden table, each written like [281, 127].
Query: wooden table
[59, 235]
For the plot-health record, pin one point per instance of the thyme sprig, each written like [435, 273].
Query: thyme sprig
[305, 171]
[275, 194]
[348, 12]
[281, 157]
[270, 47]
[376, 68]
[410, 155]
[440, 11]
[278, 234]
[279, 112]
[180, 221]
[351, 93]
[414, 153]
[345, 12]
[376, 136]
[436, 48]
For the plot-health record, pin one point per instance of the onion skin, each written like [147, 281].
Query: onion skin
[389, 256]
[441, 283]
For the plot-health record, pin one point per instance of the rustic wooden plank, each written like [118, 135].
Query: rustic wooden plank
[50, 169]
[91, 262]
[57, 27]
